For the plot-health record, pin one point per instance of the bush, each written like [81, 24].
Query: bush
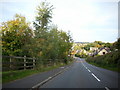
[110, 59]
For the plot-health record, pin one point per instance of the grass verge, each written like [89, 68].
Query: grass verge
[15, 75]
[110, 61]
[112, 68]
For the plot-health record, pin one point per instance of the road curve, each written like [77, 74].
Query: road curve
[84, 75]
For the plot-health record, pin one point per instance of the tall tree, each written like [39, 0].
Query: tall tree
[50, 43]
[43, 17]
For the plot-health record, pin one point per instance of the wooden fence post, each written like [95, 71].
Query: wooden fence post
[24, 62]
[33, 62]
[10, 63]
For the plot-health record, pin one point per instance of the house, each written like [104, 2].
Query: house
[103, 51]
[82, 51]
[93, 48]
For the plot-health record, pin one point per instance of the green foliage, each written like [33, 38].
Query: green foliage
[87, 47]
[99, 42]
[15, 34]
[50, 43]
[59, 44]
[81, 55]
[117, 44]
[44, 42]
[109, 59]
[76, 47]
[14, 75]
[44, 15]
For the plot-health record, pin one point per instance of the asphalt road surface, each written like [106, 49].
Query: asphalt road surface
[84, 75]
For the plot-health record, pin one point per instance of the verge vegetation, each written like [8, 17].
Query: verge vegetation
[15, 75]
[110, 60]
[44, 41]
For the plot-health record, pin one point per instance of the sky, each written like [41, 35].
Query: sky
[87, 20]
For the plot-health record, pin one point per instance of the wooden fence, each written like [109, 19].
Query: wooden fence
[17, 63]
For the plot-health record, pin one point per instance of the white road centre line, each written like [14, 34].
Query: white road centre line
[96, 77]
[86, 67]
[83, 64]
[107, 88]
[89, 70]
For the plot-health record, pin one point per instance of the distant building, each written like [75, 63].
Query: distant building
[93, 48]
[103, 51]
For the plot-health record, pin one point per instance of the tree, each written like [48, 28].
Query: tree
[87, 47]
[15, 34]
[43, 18]
[117, 44]
[99, 42]
[44, 15]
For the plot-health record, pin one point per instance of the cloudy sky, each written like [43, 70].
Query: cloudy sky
[87, 20]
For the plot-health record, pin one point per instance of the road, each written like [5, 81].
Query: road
[84, 75]
[32, 80]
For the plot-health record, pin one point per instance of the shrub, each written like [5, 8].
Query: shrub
[110, 59]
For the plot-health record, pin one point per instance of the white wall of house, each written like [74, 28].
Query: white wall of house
[102, 52]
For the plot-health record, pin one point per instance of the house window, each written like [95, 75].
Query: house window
[103, 52]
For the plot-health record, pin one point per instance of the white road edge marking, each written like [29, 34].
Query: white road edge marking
[41, 82]
[49, 78]
[89, 70]
[96, 77]
[107, 88]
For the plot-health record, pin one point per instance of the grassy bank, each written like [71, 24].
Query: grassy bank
[106, 67]
[14, 75]
[110, 61]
